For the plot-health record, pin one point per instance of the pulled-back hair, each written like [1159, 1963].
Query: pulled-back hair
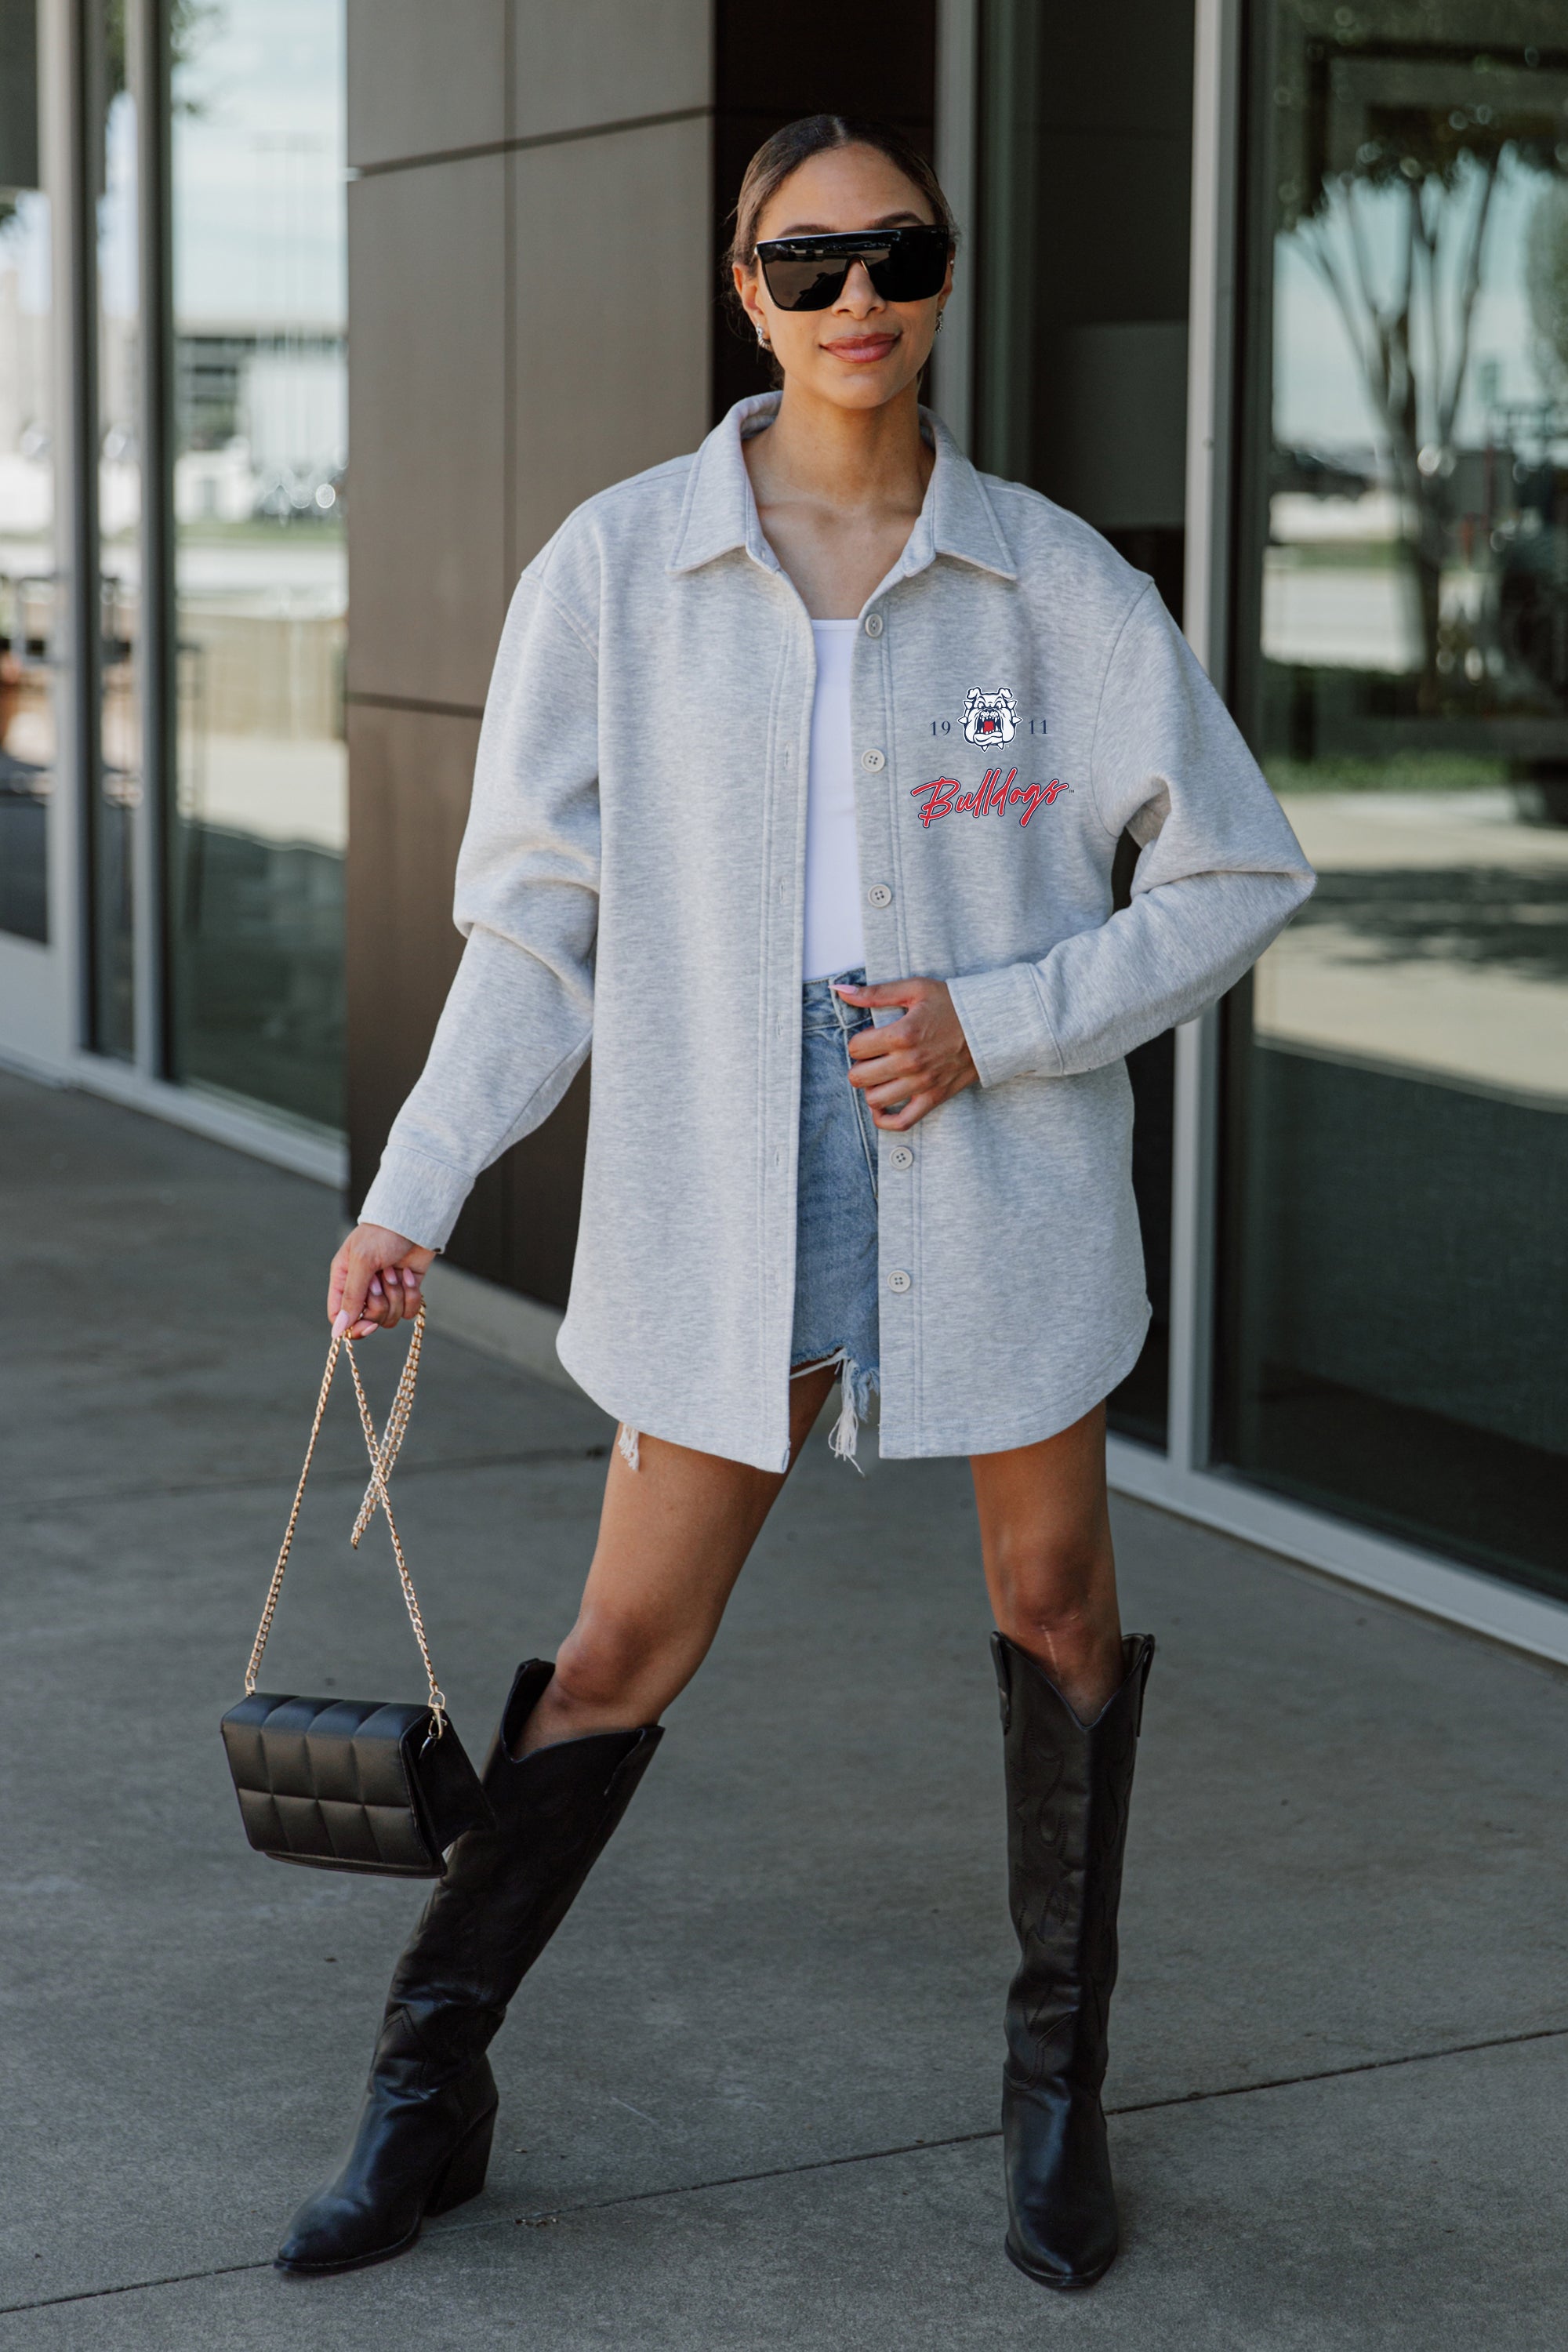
[796, 143]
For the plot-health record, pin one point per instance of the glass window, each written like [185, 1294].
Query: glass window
[27, 490]
[1081, 261]
[1396, 1221]
[260, 579]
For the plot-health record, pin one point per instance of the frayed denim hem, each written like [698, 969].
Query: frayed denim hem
[858, 1384]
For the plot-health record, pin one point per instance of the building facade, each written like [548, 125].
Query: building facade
[1274, 292]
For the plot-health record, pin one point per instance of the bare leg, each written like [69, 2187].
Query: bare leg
[674, 1535]
[1045, 1534]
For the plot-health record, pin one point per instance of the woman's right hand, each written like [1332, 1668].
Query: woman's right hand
[375, 1281]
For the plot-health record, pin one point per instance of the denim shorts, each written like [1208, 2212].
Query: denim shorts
[835, 1294]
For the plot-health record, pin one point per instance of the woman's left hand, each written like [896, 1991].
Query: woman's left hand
[908, 1067]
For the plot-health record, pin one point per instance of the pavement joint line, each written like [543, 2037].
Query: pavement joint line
[536, 1459]
[547, 2213]
[968, 2139]
[1335, 2074]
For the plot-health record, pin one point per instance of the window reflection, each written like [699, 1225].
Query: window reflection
[27, 744]
[261, 432]
[1399, 1244]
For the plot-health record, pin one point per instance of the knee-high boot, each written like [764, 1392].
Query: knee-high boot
[1069, 1787]
[423, 2140]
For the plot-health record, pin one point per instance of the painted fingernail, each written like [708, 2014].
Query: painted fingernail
[339, 1325]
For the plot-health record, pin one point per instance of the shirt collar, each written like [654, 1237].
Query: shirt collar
[720, 513]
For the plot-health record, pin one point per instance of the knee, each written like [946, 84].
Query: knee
[598, 1662]
[605, 1664]
[1053, 1589]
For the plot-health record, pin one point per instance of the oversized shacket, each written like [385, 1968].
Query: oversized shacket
[632, 878]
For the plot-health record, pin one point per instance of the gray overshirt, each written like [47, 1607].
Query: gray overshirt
[632, 876]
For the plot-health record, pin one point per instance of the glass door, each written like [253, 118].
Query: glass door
[172, 572]
[1396, 1216]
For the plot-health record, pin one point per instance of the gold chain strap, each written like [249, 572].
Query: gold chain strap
[382, 1457]
[396, 1426]
[411, 1599]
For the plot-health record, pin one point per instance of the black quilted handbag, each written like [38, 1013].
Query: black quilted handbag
[353, 1784]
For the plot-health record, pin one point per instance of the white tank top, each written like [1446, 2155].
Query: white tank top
[834, 934]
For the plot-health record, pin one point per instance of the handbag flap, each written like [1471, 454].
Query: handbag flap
[342, 1783]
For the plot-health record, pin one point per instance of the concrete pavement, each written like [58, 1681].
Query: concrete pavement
[750, 2092]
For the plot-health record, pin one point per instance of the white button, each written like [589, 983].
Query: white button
[899, 1279]
[878, 895]
[875, 760]
[903, 1157]
[873, 625]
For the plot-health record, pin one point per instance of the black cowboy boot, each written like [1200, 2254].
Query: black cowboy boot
[422, 2140]
[1068, 1787]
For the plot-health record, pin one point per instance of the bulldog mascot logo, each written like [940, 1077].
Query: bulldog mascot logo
[990, 716]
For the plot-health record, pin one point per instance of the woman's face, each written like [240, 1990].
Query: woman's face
[863, 351]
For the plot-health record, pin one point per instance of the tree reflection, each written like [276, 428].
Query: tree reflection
[1393, 137]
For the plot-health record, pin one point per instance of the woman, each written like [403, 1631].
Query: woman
[820, 714]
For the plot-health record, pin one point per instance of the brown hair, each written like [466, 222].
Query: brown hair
[796, 143]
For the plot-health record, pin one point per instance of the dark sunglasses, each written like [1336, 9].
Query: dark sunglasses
[808, 273]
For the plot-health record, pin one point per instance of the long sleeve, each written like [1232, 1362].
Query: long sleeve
[517, 1020]
[1219, 873]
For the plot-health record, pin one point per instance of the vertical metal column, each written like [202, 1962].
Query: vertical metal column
[58, 144]
[147, 67]
[1217, 83]
[957, 133]
[79, 633]
[1005, 262]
